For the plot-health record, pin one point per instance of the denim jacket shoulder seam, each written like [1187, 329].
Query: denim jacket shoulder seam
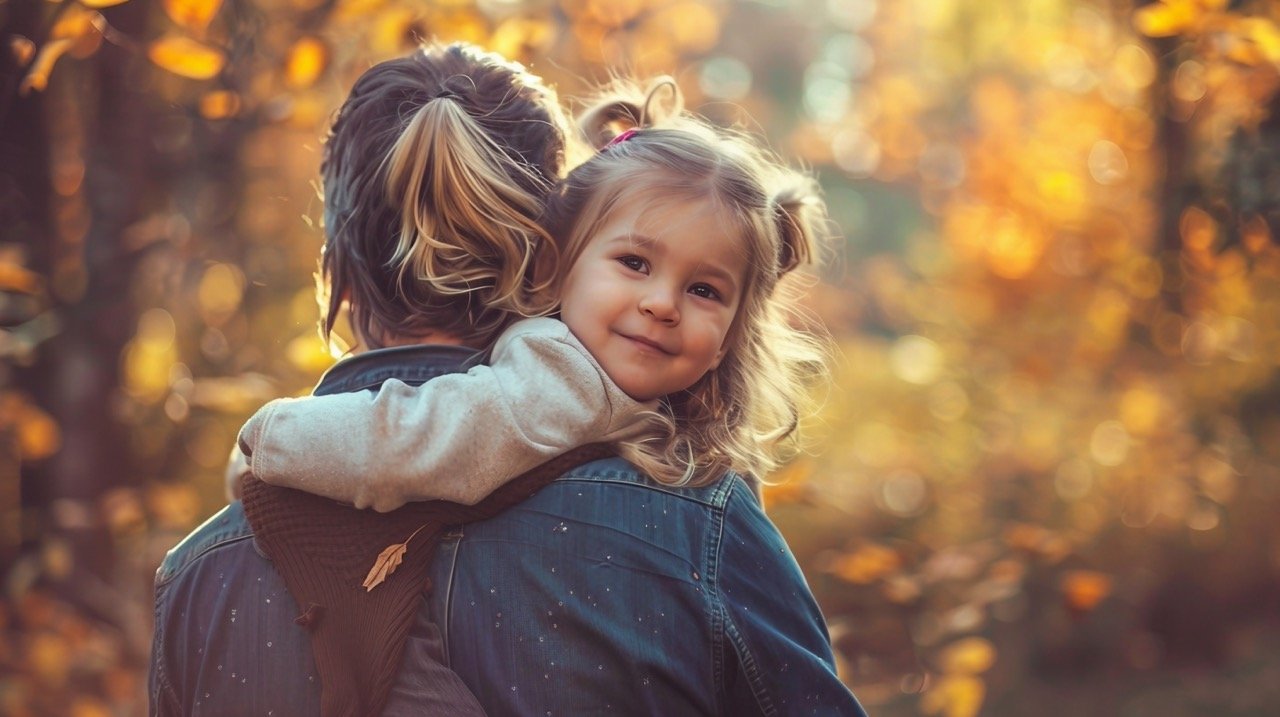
[187, 561]
[715, 495]
[598, 478]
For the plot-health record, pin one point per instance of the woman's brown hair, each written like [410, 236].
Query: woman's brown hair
[434, 175]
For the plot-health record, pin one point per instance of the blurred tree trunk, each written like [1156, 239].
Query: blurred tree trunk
[80, 150]
[1176, 187]
[24, 235]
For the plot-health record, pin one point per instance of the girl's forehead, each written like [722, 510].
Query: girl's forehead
[654, 210]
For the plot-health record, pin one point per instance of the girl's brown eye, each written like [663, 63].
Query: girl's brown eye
[633, 263]
[705, 291]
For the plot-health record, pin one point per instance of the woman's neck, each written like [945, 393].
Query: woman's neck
[437, 338]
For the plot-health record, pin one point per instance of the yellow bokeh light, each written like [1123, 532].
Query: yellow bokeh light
[186, 57]
[1199, 231]
[305, 62]
[1013, 248]
[1141, 410]
[149, 356]
[1110, 443]
[194, 15]
[968, 656]
[219, 293]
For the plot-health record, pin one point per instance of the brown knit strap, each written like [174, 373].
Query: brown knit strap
[324, 551]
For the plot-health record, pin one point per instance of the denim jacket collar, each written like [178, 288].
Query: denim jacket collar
[411, 364]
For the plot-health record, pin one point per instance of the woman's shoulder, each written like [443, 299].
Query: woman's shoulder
[228, 528]
[721, 494]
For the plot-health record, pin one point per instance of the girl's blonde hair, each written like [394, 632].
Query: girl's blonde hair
[743, 415]
[435, 173]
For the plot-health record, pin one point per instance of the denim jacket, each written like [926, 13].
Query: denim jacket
[603, 593]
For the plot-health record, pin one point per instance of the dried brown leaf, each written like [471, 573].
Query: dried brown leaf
[388, 560]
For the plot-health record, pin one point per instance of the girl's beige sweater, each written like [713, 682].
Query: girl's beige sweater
[457, 437]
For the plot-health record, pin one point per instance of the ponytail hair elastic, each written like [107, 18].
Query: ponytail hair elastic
[622, 137]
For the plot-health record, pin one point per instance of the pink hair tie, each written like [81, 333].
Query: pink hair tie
[621, 138]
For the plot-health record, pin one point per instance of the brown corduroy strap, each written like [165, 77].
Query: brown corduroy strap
[324, 549]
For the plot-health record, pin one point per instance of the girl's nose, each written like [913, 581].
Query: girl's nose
[659, 305]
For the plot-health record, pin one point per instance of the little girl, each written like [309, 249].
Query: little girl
[673, 340]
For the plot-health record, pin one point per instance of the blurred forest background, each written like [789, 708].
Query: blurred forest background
[1047, 476]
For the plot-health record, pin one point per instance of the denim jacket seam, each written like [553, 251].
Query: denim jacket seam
[717, 611]
[170, 573]
[163, 689]
[715, 499]
[442, 621]
[750, 671]
[596, 478]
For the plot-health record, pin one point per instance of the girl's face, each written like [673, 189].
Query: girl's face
[653, 294]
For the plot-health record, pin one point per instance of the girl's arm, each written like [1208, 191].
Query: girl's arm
[456, 437]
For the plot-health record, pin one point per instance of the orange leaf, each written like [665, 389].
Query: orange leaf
[16, 278]
[186, 57]
[22, 50]
[219, 104]
[1084, 589]
[38, 76]
[38, 434]
[307, 60]
[74, 23]
[867, 564]
[1164, 19]
[1265, 35]
[387, 562]
[195, 15]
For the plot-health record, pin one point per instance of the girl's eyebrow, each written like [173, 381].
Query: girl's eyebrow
[716, 271]
[639, 240]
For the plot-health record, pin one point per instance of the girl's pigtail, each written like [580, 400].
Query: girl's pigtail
[797, 211]
[466, 226]
[625, 105]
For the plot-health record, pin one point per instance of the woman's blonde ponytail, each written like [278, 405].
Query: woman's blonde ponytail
[466, 226]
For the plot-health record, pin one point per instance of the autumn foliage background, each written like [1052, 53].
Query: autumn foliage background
[1046, 477]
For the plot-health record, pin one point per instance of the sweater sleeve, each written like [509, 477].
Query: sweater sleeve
[456, 437]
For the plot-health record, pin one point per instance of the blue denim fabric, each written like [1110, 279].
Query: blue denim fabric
[225, 641]
[603, 593]
[609, 593]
